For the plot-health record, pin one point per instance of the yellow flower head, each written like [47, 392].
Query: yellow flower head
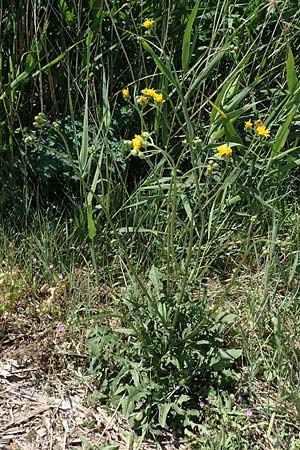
[142, 100]
[125, 93]
[149, 23]
[149, 92]
[137, 142]
[258, 123]
[158, 98]
[224, 150]
[263, 131]
[248, 125]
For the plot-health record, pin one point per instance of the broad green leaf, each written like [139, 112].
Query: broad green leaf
[231, 353]
[187, 206]
[291, 75]
[185, 56]
[163, 411]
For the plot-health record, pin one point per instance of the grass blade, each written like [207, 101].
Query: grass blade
[185, 56]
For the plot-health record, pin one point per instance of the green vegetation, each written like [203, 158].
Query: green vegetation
[149, 176]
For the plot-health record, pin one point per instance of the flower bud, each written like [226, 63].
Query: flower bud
[28, 140]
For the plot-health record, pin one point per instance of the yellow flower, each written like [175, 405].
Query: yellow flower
[149, 92]
[248, 125]
[224, 150]
[125, 93]
[149, 23]
[142, 100]
[263, 131]
[158, 98]
[137, 142]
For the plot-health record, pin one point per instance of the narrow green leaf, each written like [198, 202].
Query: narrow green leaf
[216, 108]
[163, 67]
[231, 133]
[84, 143]
[282, 133]
[91, 223]
[185, 56]
[291, 75]
[204, 75]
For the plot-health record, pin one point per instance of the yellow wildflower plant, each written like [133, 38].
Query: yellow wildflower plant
[125, 93]
[258, 123]
[224, 150]
[263, 131]
[137, 142]
[152, 93]
[142, 99]
[158, 98]
[248, 125]
[149, 23]
[149, 92]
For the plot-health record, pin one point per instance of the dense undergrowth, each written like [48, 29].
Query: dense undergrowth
[149, 170]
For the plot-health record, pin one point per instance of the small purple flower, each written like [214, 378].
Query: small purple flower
[51, 266]
[60, 276]
[249, 412]
[202, 404]
[34, 260]
[60, 330]
[10, 244]
[210, 401]
[39, 354]
[239, 399]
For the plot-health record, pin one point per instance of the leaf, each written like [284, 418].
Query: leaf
[291, 74]
[91, 223]
[231, 133]
[204, 75]
[282, 133]
[155, 277]
[163, 411]
[127, 331]
[185, 55]
[187, 206]
[84, 143]
[216, 108]
[163, 68]
[231, 353]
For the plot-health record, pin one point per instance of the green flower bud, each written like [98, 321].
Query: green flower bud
[28, 140]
